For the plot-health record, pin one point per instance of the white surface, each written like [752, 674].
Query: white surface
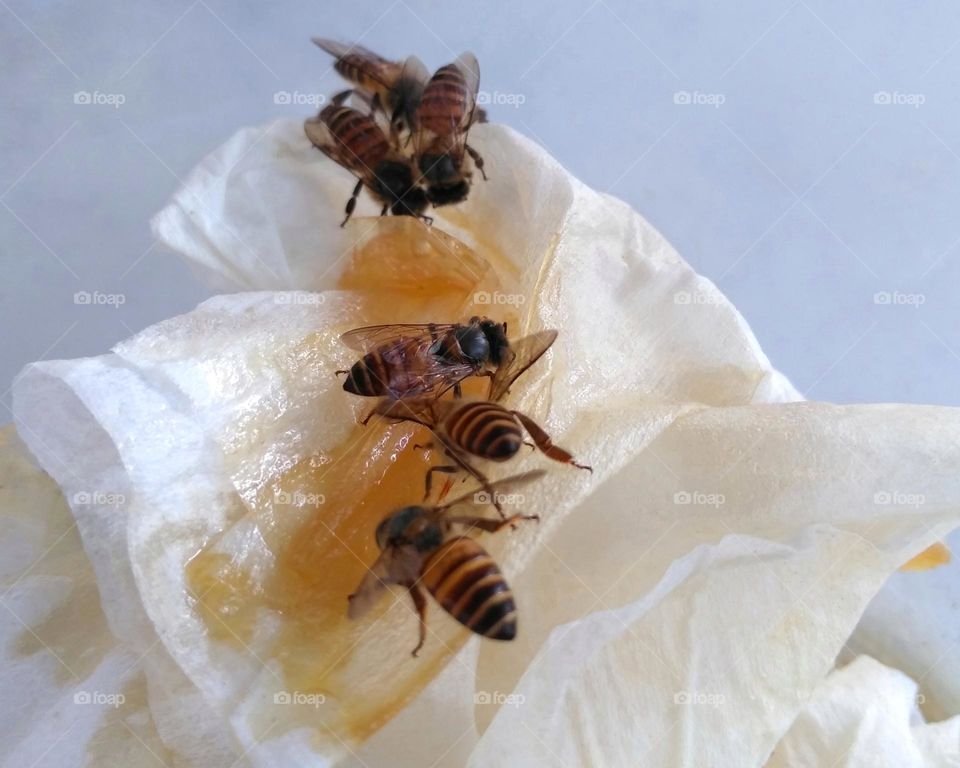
[701, 493]
[880, 184]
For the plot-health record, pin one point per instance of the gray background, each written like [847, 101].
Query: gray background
[831, 220]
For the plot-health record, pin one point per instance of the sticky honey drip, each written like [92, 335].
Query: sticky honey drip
[932, 557]
[404, 272]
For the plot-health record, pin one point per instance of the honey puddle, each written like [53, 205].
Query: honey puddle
[352, 676]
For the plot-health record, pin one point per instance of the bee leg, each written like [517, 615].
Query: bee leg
[477, 160]
[545, 444]
[420, 605]
[352, 202]
[383, 211]
[457, 391]
[447, 469]
[424, 447]
[531, 446]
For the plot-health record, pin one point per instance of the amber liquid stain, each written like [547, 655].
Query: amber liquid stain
[932, 557]
[323, 542]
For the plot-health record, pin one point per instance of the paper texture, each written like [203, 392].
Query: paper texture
[677, 606]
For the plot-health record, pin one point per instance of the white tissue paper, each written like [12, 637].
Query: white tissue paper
[681, 606]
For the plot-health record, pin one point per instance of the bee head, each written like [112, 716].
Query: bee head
[400, 527]
[439, 169]
[447, 195]
[391, 529]
[496, 336]
[412, 202]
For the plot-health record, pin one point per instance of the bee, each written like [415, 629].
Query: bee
[402, 361]
[419, 549]
[357, 142]
[446, 110]
[390, 86]
[484, 429]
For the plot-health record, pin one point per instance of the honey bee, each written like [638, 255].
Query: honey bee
[357, 142]
[403, 361]
[483, 429]
[420, 549]
[446, 110]
[390, 86]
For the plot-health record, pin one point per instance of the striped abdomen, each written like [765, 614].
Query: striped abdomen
[369, 376]
[485, 429]
[443, 104]
[468, 584]
[355, 67]
[361, 140]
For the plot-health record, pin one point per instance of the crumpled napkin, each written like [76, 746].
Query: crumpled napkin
[677, 607]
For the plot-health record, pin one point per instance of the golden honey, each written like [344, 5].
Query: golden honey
[323, 542]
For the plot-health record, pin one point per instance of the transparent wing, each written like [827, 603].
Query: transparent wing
[522, 354]
[372, 65]
[413, 79]
[371, 337]
[371, 587]
[319, 133]
[506, 485]
[470, 69]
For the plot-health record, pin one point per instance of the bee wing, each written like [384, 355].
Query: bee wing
[320, 135]
[470, 69]
[522, 355]
[416, 409]
[413, 79]
[374, 66]
[371, 337]
[373, 584]
[505, 485]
